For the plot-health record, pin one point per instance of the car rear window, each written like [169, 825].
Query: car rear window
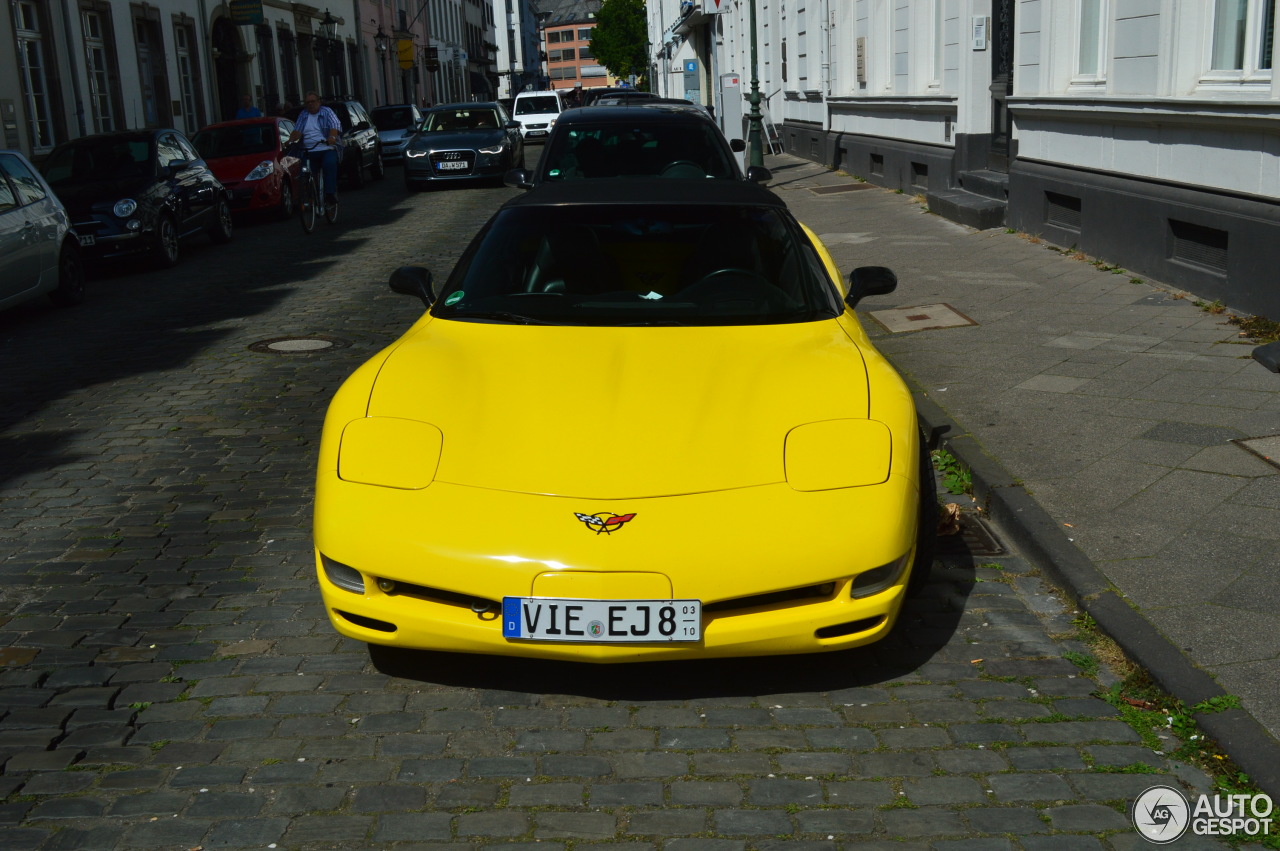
[616, 264]
[649, 149]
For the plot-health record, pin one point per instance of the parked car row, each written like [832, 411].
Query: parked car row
[140, 193]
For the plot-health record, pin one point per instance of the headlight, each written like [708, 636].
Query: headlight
[415, 153]
[496, 149]
[878, 578]
[261, 170]
[125, 208]
[834, 454]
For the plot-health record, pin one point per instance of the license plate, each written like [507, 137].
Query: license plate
[451, 166]
[601, 621]
[86, 239]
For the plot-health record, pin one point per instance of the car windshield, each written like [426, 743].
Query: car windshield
[537, 105]
[460, 120]
[690, 149]
[616, 265]
[236, 141]
[392, 118]
[90, 160]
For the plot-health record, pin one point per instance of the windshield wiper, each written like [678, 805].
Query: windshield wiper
[497, 315]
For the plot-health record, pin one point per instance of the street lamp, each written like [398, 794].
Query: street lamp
[754, 117]
[329, 26]
[382, 42]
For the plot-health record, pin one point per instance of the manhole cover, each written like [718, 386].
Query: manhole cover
[296, 345]
[843, 187]
[1266, 448]
[925, 317]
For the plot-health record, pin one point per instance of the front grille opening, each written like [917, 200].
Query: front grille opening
[1062, 211]
[849, 628]
[920, 175]
[877, 163]
[439, 595]
[367, 623]
[807, 594]
[1199, 246]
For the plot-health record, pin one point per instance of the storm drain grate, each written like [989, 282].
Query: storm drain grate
[974, 539]
[1266, 448]
[298, 345]
[843, 187]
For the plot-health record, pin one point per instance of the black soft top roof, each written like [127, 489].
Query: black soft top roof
[648, 191]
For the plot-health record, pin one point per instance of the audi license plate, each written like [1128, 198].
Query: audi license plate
[87, 239]
[455, 165]
[601, 621]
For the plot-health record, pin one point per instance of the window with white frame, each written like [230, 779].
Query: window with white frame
[97, 57]
[1091, 46]
[1241, 40]
[186, 73]
[35, 81]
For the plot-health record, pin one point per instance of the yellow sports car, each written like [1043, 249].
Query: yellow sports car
[632, 425]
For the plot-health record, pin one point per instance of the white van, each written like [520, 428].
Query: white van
[537, 113]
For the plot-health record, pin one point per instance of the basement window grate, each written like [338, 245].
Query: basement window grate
[920, 175]
[1199, 246]
[877, 164]
[1062, 211]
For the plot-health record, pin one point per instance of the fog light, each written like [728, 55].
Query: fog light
[133, 224]
[386, 586]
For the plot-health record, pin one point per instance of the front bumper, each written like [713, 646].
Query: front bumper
[106, 237]
[429, 168]
[773, 567]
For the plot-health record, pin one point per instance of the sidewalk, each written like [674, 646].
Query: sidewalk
[1098, 413]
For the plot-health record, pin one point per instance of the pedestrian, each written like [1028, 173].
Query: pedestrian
[318, 129]
[285, 109]
[247, 109]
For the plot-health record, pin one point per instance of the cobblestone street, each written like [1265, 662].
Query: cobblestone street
[169, 679]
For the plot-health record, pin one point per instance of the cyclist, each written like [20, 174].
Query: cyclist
[318, 129]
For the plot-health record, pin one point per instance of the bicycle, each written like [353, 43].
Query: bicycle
[311, 196]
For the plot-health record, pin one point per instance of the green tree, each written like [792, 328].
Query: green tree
[620, 40]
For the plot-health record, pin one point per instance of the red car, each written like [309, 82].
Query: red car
[245, 155]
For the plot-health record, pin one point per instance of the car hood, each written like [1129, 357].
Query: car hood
[81, 198]
[236, 169]
[468, 139]
[619, 412]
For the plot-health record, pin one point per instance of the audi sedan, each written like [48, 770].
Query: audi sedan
[463, 142]
[636, 422]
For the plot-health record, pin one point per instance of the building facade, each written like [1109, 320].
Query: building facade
[1143, 132]
[566, 46]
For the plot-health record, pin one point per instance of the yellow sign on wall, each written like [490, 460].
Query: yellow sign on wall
[404, 49]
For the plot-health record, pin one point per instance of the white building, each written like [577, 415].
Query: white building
[1143, 132]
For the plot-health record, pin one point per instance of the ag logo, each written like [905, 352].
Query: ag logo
[605, 521]
[1161, 814]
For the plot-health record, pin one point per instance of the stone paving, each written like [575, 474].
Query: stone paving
[168, 678]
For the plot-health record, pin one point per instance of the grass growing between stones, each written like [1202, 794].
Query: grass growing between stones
[1165, 724]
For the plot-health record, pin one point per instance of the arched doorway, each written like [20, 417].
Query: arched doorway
[227, 68]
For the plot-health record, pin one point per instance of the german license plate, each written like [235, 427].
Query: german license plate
[601, 621]
[452, 166]
[86, 239]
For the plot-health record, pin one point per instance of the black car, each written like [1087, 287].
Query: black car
[360, 138]
[138, 192]
[641, 140]
[463, 142]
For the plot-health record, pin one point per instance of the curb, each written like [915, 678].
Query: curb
[1040, 538]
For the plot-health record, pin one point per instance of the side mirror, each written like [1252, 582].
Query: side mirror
[870, 280]
[414, 280]
[518, 178]
[1268, 356]
[737, 145]
[512, 125]
[759, 174]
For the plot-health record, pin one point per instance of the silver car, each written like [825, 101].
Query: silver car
[39, 253]
[396, 123]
